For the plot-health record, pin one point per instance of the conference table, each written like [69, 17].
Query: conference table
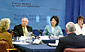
[35, 48]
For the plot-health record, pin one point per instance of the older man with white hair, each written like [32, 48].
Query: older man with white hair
[23, 28]
[71, 40]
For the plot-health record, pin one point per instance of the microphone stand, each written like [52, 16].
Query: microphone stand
[39, 32]
[35, 36]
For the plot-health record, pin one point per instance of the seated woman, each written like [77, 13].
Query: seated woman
[53, 29]
[80, 26]
[4, 35]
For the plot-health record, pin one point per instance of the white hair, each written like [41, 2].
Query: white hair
[25, 18]
[4, 23]
[70, 26]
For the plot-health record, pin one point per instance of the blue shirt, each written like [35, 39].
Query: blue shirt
[48, 30]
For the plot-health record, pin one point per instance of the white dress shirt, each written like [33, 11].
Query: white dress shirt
[52, 29]
[79, 30]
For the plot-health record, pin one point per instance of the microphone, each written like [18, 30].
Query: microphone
[35, 36]
[39, 31]
[12, 31]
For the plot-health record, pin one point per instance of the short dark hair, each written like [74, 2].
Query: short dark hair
[80, 17]
[56, 18]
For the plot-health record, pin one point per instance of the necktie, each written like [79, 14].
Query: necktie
[24, 29]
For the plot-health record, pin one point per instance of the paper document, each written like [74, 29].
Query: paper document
[22, 43]
[54, 44]
[36, 41]
[44, 37]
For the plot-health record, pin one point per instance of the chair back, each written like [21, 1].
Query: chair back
[74, 50]
[3, 46]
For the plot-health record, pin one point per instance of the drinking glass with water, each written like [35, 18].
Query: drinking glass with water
[29, 37]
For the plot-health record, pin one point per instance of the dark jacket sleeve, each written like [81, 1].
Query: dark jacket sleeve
[29, 29]
[16, 33]
[60, 47]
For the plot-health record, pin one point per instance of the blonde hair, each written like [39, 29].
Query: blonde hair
[4, 24]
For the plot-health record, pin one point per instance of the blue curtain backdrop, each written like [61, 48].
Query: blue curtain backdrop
[38, 12]
[74, 8]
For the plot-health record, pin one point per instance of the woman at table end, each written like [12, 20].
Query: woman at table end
[4, 35]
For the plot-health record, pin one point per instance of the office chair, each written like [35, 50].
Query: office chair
[4, 47]
[74, 50]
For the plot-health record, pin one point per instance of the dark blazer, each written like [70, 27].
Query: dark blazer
[18, 31]
[71, 41]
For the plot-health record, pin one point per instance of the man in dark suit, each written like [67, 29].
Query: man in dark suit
[71, 40]
[22, 29]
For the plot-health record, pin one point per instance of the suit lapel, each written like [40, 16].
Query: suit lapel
[21, 29]
[28, 28]
[50, 29]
